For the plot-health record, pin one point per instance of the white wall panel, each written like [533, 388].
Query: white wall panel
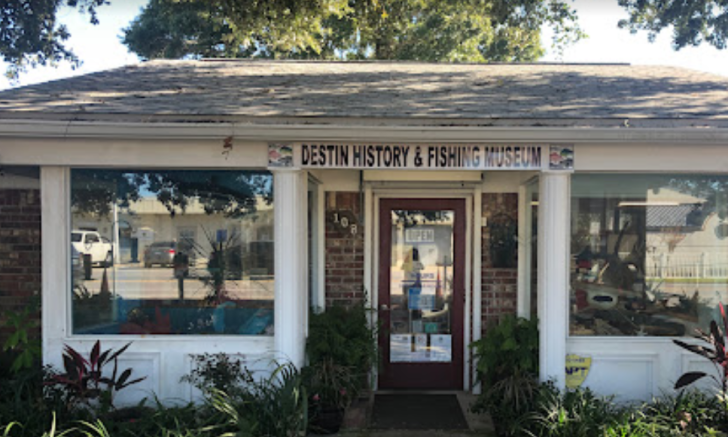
[651, 157]
[137, 153]
[636, 368]
[143, 365]
[627, 377]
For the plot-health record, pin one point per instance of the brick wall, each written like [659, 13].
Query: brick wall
[344, 251]
[20, 273]
[500, 284]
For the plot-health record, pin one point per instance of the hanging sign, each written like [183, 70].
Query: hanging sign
[419, 235]
[311, 155]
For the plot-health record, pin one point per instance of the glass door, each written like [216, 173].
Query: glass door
[421, 292]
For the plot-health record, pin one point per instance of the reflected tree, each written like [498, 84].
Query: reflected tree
[232, 193]
[712, 189]
[410, 218]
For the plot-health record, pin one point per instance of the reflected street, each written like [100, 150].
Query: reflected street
[133, 281]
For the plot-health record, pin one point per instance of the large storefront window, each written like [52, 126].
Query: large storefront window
[172, 252]
[649, 254]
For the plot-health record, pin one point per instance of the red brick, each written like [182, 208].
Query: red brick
[20, 274]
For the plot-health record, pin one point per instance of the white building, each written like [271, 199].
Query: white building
[442, 195]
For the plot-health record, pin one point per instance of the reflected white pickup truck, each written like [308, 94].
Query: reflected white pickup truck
[92, 243]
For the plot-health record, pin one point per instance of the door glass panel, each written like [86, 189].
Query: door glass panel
[420, 288]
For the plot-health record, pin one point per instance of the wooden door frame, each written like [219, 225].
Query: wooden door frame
[460, 315]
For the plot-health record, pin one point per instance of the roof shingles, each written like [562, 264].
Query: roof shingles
[255, 89]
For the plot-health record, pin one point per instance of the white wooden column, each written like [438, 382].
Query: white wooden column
[291, 271]
[56, 260]
[524, 253]
[477, 275]
[553, 274]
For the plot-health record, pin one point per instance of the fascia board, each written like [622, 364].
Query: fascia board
[355, 133]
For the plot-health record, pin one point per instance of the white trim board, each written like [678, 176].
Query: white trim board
[358, 130]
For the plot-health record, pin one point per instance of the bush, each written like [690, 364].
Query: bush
[342, 335]
[577, 413]
[508, 370]
[218, 372]
[341, 350]
[581, 413]
[33, 406]
[271, 406]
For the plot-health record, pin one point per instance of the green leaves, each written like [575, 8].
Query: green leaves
[507, 357]
[26, 348]
[418, 30]
[31, 36]
[692, 22]
[507, 347]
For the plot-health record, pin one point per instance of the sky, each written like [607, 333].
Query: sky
[100, 47]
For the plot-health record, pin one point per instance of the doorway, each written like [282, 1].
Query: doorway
[421, 293]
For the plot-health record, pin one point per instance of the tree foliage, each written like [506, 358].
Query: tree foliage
[423, 30]
[31, 36]
[693, 22]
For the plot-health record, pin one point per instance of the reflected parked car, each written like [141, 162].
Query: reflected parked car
[92, 243]
[162, 253]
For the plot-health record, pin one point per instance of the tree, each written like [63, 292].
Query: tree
[423, 30]
[693, 22]
[30, 35]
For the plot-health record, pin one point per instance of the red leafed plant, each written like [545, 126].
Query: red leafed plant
[84, 379]
[716, 354]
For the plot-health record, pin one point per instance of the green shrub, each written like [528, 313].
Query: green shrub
[688, 413]
[508, 370]
[218, 372]
[574, 413]
[32, 405]
[341, 351]
[23, 347]
[581, 413]
[275, 405]
[342, 335]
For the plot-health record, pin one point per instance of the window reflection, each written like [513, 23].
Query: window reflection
[421, 286]
[648, 253]
[172, 252]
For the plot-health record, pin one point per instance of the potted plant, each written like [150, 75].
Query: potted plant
[331, 388]
[341, 350]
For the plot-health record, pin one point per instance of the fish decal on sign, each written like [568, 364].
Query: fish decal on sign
[280, 155]
[561, 157]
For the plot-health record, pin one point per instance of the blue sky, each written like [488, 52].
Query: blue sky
[100, 48]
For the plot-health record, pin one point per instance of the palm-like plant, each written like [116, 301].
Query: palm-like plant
[715, 353]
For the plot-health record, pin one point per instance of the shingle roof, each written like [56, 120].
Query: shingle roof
[378, 90]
